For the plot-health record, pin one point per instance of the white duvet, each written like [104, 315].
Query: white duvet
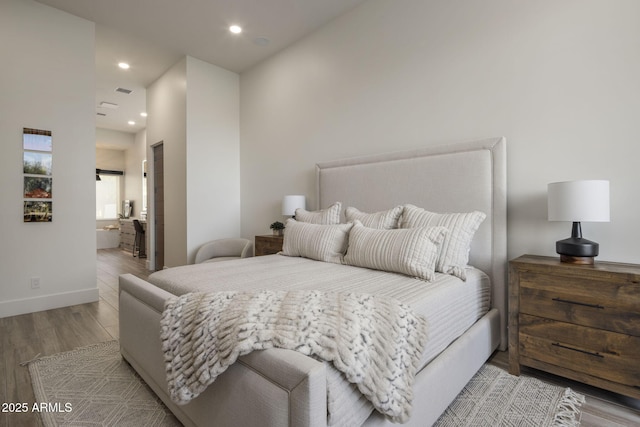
[449, 304]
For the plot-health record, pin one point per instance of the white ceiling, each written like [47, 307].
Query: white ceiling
[152, 35]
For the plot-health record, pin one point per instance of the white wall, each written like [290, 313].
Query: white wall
[213, 154]
[133, 171]
[559, 79]
[114, 139]
[193, 108]
[47, 82]
[110, 159]
[166, 123]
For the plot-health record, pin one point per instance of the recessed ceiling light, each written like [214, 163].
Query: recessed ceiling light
[131, 122]
[143, 114]
[124, 65]
[235, 29]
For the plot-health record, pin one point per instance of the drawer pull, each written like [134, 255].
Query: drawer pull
[590, 353]
[584, 304]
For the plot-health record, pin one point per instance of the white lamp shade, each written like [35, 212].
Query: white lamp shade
[578, 201]
[291, 203]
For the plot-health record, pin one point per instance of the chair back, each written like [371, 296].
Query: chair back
[138, 227]
[224, 248]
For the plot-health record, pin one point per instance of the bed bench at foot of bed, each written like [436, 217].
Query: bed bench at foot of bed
[268, 388]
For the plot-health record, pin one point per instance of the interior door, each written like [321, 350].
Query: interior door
[158, 210]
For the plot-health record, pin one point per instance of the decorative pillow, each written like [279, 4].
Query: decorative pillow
[331, 215]
[454, 254]
[386, 220]
[411, 251]
[316, 241]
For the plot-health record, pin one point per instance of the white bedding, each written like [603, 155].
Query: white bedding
[449, 304]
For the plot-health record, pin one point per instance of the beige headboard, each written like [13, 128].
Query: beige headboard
[451, 178]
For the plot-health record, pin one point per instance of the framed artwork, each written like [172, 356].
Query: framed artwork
[36, 140]
[37, 162]
[37, 211]
[37, 187]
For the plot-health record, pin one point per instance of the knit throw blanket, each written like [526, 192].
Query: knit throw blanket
[375, 342]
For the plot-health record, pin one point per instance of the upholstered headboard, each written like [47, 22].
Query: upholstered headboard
[451, 178]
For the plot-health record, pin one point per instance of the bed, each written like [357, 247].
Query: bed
[279, 387]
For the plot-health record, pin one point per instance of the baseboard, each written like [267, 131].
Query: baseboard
[47, 302]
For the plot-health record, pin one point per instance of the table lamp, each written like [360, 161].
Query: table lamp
[578, 201]
[291, 203]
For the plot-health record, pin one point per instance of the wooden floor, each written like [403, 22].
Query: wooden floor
[24, 337]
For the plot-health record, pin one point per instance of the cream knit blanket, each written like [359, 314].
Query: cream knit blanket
[375, 342]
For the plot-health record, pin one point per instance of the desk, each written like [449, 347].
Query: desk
[128, 236]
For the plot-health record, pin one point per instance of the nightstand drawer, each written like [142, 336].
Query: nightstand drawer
[608, 355]
[588, 302]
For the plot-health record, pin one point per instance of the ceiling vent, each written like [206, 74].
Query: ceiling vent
[110, 105]
[123, 90]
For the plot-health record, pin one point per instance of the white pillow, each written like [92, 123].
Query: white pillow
[410, 251]
[331, 215]
[386, 220]
[316, 241]
[454, 254]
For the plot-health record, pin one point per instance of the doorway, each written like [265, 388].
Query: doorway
[158, 203]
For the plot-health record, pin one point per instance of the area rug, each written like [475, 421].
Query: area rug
[495, 398]
[94, 386]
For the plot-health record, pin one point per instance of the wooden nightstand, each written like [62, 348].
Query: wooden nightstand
[267, 245]
[577, 321]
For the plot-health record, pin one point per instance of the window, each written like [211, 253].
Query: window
[107, 196]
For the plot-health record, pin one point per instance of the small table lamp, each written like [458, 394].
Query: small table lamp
[291, 203]
[578, 201]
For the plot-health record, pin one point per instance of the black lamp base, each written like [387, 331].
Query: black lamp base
[575, 249]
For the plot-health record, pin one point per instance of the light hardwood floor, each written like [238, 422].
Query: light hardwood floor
[24, 337]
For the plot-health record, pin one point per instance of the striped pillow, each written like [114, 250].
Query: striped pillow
[320, 242]
[410, 251]
[454, 254]
[386, 220]
[331, 215]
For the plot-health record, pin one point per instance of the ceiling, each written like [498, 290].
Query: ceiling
[152, 35]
